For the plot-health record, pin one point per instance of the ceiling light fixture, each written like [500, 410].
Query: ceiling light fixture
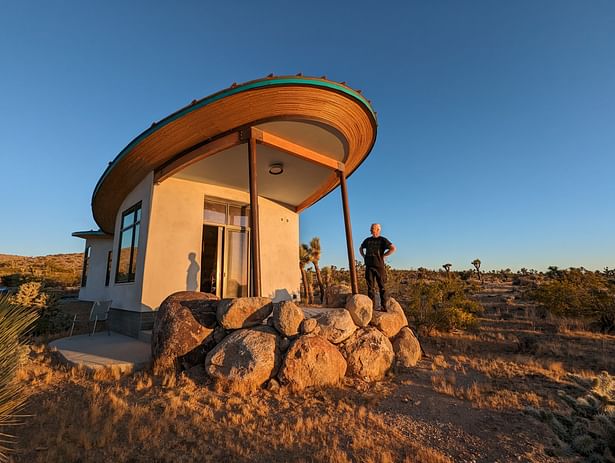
[276, 168]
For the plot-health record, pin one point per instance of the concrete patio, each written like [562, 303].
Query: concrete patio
[102, 350]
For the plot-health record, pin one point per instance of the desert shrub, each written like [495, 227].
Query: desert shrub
[441, 305]
[576, 293]
[32, 294]
[466, 275]
[15, 320]
[51, 319]
[589, 428]
[12, 280]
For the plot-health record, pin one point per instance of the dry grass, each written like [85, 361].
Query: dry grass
[465, 402]
[112, 417]
[515, 361]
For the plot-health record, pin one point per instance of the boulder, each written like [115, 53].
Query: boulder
[287, 318]
[392, 320]
[309, 325]
[250, 356]
[243, 312]
[360, 308]
[336, 295]
[312, 361]
[273, 386]
[335, 325]
[407, 348]
[182, 324]
[369, 354]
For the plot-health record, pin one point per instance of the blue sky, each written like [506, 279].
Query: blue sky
[496, 119]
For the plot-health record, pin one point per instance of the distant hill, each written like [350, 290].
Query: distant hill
[54, 269]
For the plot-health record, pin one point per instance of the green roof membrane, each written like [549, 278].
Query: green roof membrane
[269, 82]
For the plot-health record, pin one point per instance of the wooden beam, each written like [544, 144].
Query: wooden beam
[254, 224]
[328, 185]
[269, 139]
[354, 283]
[196, 154]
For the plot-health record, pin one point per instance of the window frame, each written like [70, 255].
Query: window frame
[227, 216]
[87, 254]
[109, 267]
[131, 273]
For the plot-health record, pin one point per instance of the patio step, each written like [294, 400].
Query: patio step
[145, 336]
[102, 350]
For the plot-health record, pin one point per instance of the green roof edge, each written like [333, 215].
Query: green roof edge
[81, 234]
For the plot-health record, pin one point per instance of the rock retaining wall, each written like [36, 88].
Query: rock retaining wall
[254, 341]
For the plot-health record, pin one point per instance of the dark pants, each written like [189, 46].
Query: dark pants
[375, 275]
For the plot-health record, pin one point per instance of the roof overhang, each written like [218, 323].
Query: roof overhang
[214, 119]
[91, 234]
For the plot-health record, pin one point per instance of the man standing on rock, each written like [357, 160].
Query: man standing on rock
[374, 249]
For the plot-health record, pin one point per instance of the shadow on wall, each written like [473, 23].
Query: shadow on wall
[192, 273]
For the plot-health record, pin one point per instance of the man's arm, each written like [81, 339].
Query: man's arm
[361, 249]
[390, 251]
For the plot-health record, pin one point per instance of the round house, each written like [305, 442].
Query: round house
[208, 198]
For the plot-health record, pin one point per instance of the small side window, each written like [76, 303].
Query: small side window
[108, 274]
[86, 266]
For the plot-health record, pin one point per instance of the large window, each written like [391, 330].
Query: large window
[86, 265]
[129, 245]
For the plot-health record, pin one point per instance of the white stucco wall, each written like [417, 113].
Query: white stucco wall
[95, 289]
[175, 231]
[128, 295]
[279, 243]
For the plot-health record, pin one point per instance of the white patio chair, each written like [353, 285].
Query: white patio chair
[98, 313]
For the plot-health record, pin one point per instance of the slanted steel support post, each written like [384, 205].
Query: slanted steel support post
[254, 227]
[354, 284]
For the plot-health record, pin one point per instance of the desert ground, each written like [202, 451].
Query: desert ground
[499, 393]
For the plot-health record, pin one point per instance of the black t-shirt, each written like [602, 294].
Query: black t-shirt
[374, 250]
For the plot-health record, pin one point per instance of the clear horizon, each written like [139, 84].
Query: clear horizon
[495, 136]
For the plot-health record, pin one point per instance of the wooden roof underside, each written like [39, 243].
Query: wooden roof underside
[349, 116]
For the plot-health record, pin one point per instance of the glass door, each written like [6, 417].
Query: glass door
[211, 259]
[225, 256]
[236, 263]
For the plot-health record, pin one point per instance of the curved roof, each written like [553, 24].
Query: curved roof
[333, 105]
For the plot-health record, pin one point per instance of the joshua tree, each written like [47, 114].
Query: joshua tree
[310, 286]
[326, 275]
[315, 256]
[476, 264]
[304, 259]
[15, 321]
[447, 267]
